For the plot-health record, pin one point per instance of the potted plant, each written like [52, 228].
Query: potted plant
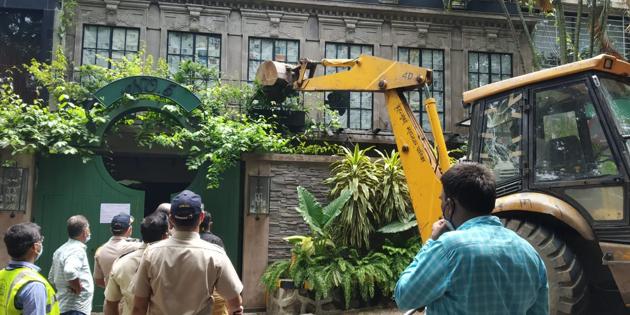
[280, 105]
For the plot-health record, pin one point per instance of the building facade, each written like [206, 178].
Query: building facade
[465, 47]
[546, 33]
[26, 32]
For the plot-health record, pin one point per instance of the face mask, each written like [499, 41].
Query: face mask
[87, 239]
[449, 222]
[41, 250]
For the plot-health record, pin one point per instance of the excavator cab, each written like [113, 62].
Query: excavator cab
[558, 142]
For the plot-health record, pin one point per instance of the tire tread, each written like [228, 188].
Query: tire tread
[570, 286]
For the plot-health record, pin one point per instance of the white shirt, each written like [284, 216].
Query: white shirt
[70, 262]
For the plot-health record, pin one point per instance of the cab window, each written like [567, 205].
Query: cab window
[569, 138]
[501, 136]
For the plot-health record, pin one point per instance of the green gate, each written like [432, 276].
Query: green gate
[66, 186]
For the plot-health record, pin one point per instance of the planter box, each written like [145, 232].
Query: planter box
[288, 300]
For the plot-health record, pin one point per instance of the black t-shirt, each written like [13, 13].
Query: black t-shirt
[211, 238]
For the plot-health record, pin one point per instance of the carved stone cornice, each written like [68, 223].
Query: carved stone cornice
[111, 7]
[364, 11]
[423, 31]
[133, 4]
[299, 10]
[271, 14]
[194, 12]
[492, 34]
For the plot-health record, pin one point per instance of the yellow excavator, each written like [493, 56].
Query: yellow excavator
[557, 140]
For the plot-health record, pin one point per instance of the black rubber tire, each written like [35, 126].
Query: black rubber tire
[568, 287]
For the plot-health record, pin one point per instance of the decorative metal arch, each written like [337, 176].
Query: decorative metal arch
[144, 85]
[140, 85]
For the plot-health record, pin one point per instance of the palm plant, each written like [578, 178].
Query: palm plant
[354, 172]
[393, 198]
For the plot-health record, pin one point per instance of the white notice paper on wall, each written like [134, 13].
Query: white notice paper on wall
[109, 210]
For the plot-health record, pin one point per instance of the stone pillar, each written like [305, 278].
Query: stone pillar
[263, 241]
[255, 242]
[313, 50]
[153, 33]
[235, 46]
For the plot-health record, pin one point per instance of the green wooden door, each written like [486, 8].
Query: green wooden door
[224, 203]
[66, 186]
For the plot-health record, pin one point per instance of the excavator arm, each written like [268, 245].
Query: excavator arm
[422, 165]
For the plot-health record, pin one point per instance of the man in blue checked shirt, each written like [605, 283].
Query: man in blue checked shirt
[472, 264]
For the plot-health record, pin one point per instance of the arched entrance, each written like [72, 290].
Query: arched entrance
[66, 186]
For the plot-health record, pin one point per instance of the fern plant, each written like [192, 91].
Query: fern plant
[271, 277]
[335, 259]
[344, 270]
[354, 172]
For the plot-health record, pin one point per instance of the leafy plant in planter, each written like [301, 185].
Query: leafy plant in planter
[393, 198]
[285, 111]
[318, 219]
[354, 172]
[380, 195]
[341, 271]
[324, 267]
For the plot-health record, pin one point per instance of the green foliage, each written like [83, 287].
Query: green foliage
[400, 226]
[317, 217]
[380, 195]
[274, 98]
[340, 271]
[354, 172]
[393, 198]
[53, 78]
[195, 76]
[305, 147]
[216, 139]
[30, 128]
[324, 267]
[400, 257]
[328, 122]
[217, 142]
[273, 273]
[66, 16]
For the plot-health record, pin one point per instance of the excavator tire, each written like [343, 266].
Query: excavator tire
[568, 289]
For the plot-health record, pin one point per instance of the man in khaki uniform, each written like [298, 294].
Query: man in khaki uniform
[118, 244]
[119, 287]
[179, 275]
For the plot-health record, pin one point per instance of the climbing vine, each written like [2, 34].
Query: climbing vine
[217, 136]
[66, 16]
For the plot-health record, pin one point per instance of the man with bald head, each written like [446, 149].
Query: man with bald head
[70, 270]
